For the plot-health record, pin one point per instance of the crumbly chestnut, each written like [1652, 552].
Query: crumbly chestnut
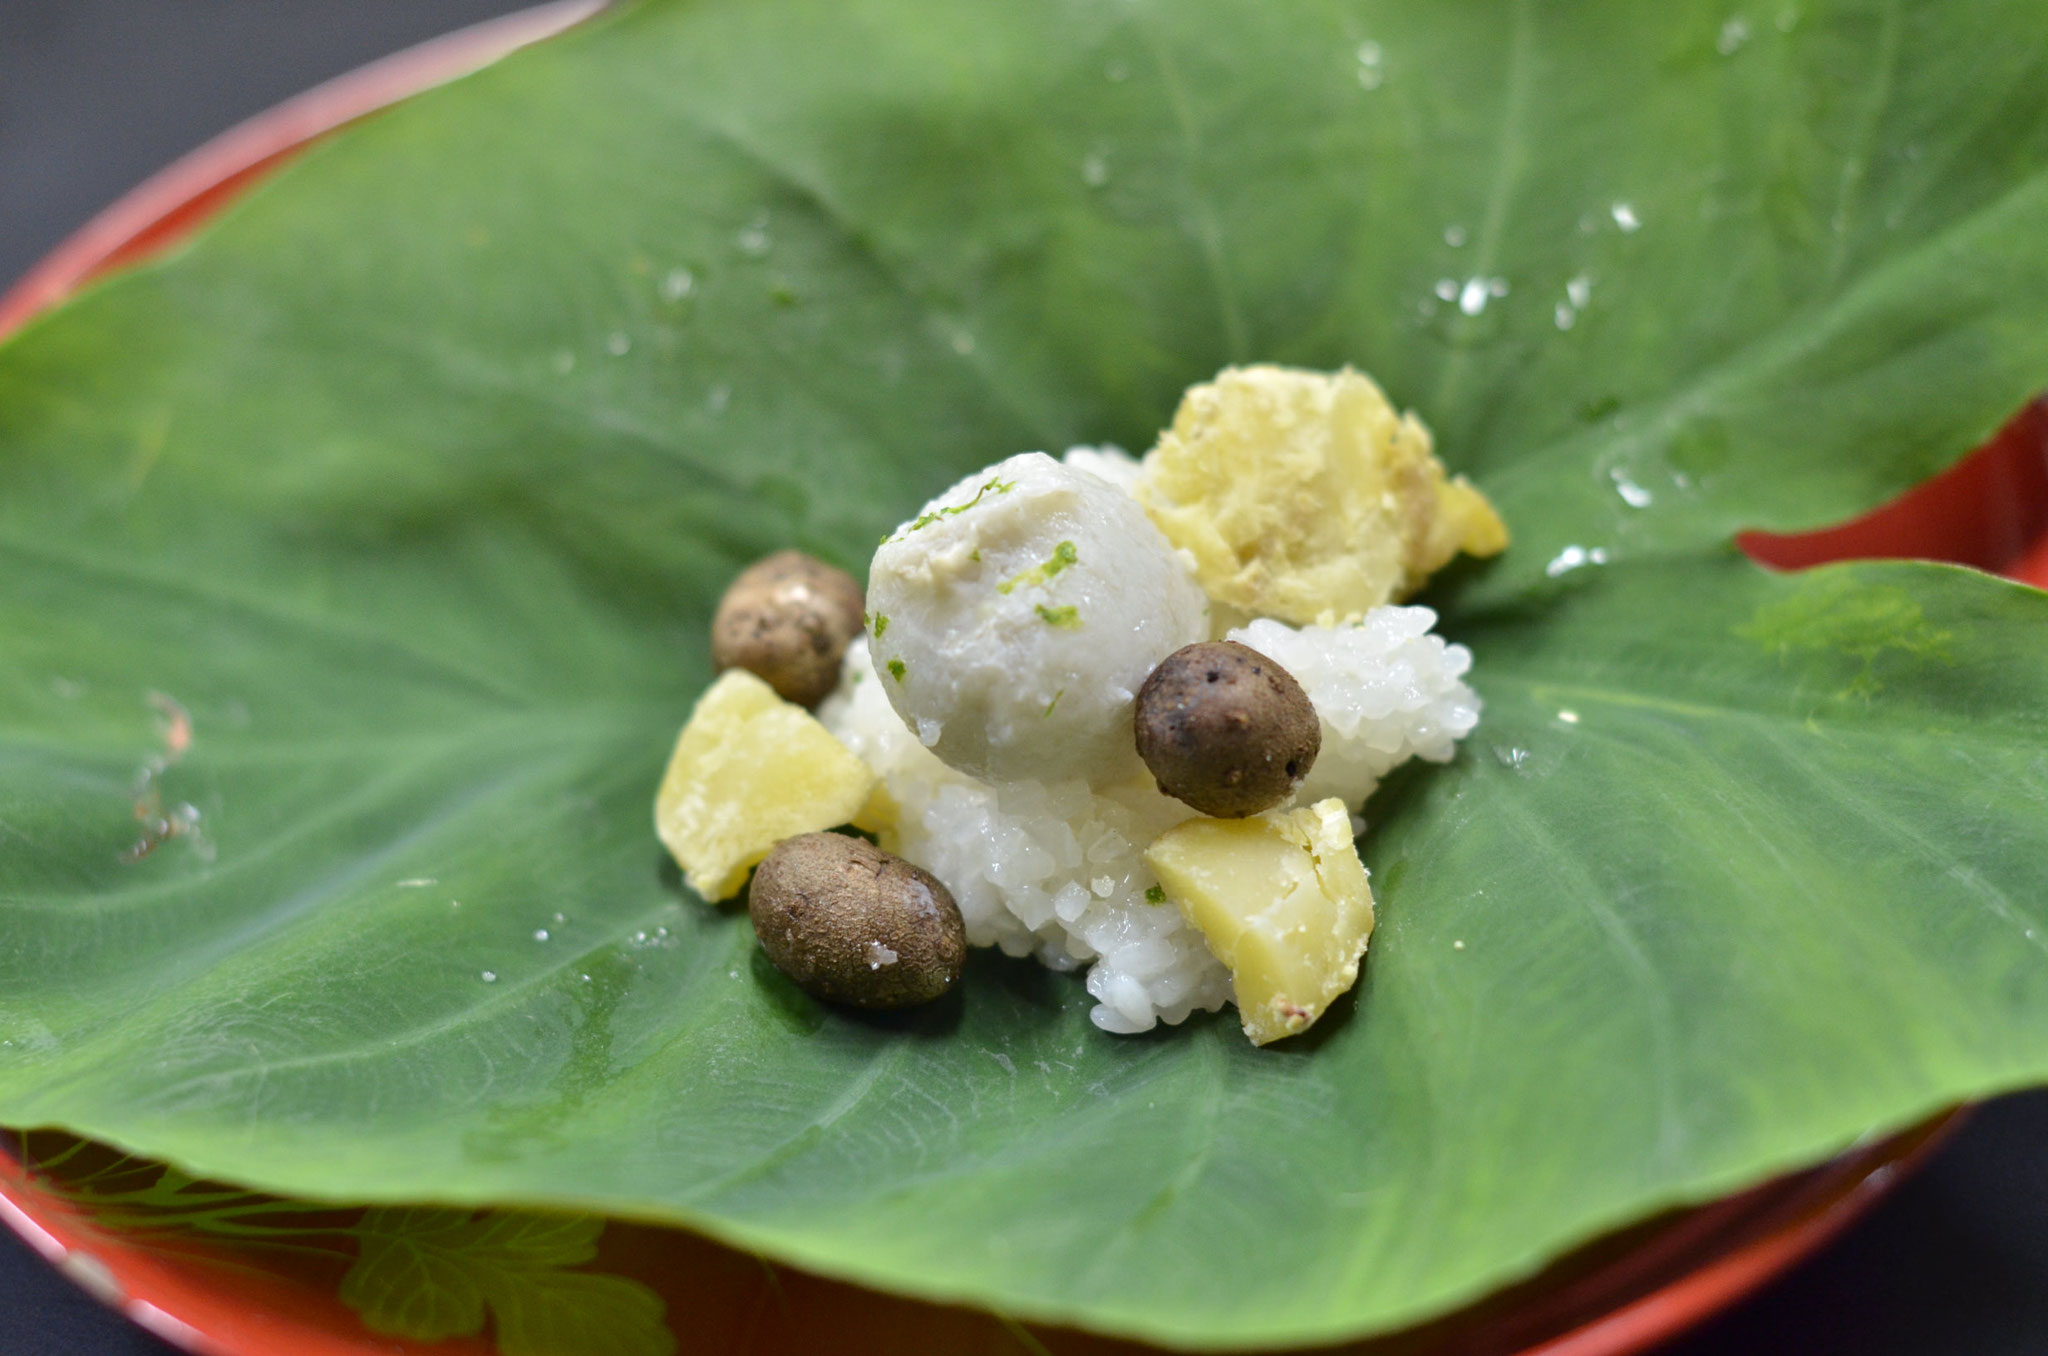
[787, 619]
[850, 923]
[1225, 729]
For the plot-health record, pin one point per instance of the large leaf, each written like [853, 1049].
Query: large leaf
[412, 487]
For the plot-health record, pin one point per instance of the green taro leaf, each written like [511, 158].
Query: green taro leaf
[406, 494]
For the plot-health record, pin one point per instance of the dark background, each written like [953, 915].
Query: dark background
[97, 94]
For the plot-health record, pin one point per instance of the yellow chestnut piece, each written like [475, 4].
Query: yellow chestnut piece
[1303, 495]
[750, 770]
[1282, 900]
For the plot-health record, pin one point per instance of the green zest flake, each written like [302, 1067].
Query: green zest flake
[927, 519]
[1155, 895]
[897, 670]
[1055, 701]
[1066, 618]
[881, 624]
[1063, 555]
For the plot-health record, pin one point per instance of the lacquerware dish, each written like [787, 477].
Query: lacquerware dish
[112, 1224]
[281, 1284]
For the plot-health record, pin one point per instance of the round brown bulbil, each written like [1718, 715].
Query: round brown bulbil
[850, 923]
[787, 619]
[1225, 729]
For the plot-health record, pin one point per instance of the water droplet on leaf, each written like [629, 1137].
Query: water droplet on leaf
[1632, 494]
[1573, 558]
[1370, 73]
[1472, 298]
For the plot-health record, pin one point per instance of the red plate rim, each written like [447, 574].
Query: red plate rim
[169, 205]
[1798, 1214]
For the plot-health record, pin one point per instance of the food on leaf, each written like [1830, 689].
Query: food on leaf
[1225, 729]
[850, 923]
[1302, 495]
[1282, 900]
[750, 770]
[1035, 700]
[787, 619]
[1025, 606]
[1015, 618]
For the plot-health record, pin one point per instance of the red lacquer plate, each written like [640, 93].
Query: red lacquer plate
[224, 1272]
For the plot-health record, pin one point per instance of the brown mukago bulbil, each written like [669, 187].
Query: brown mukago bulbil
[787, 619]
[850, 923]
[1225, 729]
